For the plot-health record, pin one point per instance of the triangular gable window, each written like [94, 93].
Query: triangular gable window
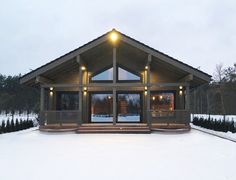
[106, 75]
[124, 75]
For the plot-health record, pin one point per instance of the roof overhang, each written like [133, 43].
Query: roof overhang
[70, 59]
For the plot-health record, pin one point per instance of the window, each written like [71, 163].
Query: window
[162, 101]
[106, 75]
[67, 101]
[124, 75]
[101, 107]
[129, 108]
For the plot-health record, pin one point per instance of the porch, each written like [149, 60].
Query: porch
[59, 121]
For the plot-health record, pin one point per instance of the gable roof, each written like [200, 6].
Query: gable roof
[74, 53]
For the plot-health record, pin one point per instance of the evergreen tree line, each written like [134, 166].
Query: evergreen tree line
[11, 126]
[16, 97]
[216, 125]
[218, 97]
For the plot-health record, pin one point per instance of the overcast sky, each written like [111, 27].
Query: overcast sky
[201, 33]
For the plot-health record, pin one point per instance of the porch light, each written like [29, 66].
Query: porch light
[109, 97]
[51, 93]
[145, 88]
[114, 36]
[153, 98]
[145, 93]
[161, 97]
[180, 92]
[146, 67]
[180, 87]
[83, 68]
[51, 88]
[85, 88]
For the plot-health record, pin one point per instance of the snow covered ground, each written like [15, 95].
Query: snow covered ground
[217, 117]
[33, 155]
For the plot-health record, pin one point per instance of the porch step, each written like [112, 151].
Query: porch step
[113, 129]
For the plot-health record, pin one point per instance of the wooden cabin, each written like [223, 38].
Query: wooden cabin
[115, 84]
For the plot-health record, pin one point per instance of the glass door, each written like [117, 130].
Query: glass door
[101, 107]
[129, 107]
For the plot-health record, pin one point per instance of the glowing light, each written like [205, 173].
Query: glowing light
[83, 68]
[145, 93]
[161, 97]
[51, 93]
[180, 87]
[85, 88]
[180, 92]
[85, 93]
[145, 87]
[114, 36]
[109, 97]
[51, 88]
[153, 98]
[146, 67]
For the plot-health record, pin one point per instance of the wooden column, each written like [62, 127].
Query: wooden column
[114, 82]
[187, 98]
[42, 99]
[42, 120]
[80, 96]
[148, 90]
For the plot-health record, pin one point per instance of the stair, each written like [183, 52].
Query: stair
[109, 128]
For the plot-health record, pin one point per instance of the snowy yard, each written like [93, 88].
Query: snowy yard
[32, 155]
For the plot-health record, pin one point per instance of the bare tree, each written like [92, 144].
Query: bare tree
[218, 75]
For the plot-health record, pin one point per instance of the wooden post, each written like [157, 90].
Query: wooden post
[187, 98]
[80, 96]
[42, 106]
[114, 88]
[148, 90]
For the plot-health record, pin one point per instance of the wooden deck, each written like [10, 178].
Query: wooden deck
[110, 128]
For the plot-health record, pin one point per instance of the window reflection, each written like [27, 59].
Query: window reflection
[67, 101]
[129, 108]
[162, 101]
[101, 108]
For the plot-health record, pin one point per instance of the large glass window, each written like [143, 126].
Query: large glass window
[67, 101]
[129, 107]
[101, 107]
[106, 75]
[124, 75]
[162, 101]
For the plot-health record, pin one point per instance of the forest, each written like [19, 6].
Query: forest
[16, 97]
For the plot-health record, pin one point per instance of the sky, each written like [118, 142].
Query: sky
[201, 33]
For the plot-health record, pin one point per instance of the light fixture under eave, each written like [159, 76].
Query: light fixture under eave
[83, 68]
[51, 88]
[114, 36]
[180, 87]
[180, 92]
[146, 67]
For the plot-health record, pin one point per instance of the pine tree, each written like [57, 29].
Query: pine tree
[8, 126]
[17, 126]
[3, 126]
[12, 126]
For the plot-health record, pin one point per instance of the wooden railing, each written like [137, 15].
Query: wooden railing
[59, 117]
[167, 116]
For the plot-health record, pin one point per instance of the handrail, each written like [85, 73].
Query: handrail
[170, 116]
[59, 117]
